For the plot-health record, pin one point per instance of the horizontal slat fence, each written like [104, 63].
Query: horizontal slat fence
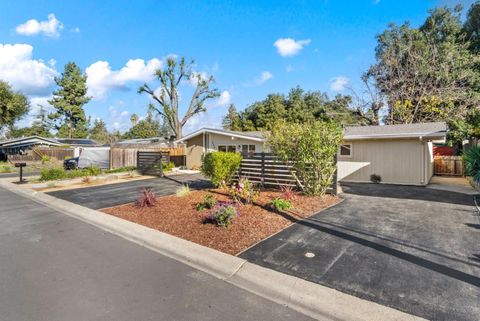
[123, 157]
[448, 165]
[267, 169]
[150, 163]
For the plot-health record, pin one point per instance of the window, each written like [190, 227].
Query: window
[248, 149]
[346, 150]
[222, 148]
[231, 148]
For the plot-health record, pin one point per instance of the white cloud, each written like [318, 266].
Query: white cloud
[30, 76]
[49, 28]
[290, 47]
[35, 104]
[118, 120]
[266, 75]
[101, 78]
[339, 83]
[224, 99]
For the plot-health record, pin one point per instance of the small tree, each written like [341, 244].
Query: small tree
[311, 148]
[232, 120]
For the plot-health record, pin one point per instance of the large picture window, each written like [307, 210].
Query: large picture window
[222, 148]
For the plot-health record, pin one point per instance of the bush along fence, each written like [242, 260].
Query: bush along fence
[268, 170]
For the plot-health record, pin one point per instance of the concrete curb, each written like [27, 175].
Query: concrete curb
[312, 299]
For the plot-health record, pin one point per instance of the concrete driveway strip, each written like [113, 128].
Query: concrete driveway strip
[411, 248]
[54, 267]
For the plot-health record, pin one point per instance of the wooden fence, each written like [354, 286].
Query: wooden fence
[35, 154]
[269, 170]
[448, 165]
[150, 163]
[123, 157]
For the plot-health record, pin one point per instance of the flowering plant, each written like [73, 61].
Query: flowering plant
[223, 213]
[244, 191]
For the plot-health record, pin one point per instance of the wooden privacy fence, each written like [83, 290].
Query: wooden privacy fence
[269, 170]
[35, 154]
[150, 163]
[123, 157]
[448, 165]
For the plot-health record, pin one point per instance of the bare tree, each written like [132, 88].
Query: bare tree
[369, 102]
[167, 98]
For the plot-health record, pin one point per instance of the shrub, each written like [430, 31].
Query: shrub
[244, 191]
[167, 166]
[223, 214]
[472, 163]
[208, 203]
[93, 170]
[45, 159]
[288, 192]
[374, 178]
[279, 204]
[6, 169]
[147, 197]
[311, 148]
[121, 169]
[183, 191]
[52, 173]
[220, 166]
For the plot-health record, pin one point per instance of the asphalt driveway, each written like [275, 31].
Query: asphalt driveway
[411, 248]
[103, 196]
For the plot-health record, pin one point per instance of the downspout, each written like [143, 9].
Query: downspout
[423, 161]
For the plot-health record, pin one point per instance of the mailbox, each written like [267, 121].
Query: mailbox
[21, 165]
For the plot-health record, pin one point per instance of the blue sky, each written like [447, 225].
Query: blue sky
[252, 48]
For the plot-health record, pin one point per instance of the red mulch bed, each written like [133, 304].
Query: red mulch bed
[178, 216]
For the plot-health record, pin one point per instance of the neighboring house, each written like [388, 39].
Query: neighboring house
[399, 154]
[207, 140]
[138, 142]
[77, 142]
[22, 145]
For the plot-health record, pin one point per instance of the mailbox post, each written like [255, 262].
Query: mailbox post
[21, 166]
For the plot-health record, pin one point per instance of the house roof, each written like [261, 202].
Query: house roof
[77, 141]
[420, 130]
[28, 141]
[252, 135]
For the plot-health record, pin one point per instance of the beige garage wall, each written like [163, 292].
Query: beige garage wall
[194, 152]
[397, 161]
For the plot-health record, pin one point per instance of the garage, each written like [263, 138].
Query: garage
[392, 154]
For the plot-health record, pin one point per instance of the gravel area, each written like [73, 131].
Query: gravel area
[178, 216]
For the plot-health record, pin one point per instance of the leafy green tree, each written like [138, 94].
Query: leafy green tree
[311, 148]
[146, 128]
[100, 133]
[13, 105]
[167, 97]
[68, 101]
[232, 120]
[471, 27]
[427, 73]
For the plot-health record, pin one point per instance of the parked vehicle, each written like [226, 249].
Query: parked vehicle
[71, 163]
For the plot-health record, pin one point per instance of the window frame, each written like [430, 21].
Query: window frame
[350, 155]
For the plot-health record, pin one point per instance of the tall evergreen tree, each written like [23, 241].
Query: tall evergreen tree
[68, 101]
[232, 121]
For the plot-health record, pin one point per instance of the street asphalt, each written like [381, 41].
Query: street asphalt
[109, 195]
[54, 267]
[411, 248]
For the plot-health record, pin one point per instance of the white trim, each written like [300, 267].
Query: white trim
[386, 136]
[219, 132]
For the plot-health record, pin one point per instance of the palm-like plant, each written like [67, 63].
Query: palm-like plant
[471, 159]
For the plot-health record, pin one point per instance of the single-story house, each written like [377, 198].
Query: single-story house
[399, 154]
[21, 145]
[207, 140]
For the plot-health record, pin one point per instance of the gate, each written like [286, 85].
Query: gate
[448, 165]
[151, 163]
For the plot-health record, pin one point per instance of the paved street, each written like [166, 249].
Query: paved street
[54, 267]
[411, 248]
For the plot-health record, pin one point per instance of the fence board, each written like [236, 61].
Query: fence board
[123, 157]
[35, 154]
[448, 165]
[150, 163]
[269, 170]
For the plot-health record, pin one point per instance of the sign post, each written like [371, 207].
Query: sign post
[21, 165]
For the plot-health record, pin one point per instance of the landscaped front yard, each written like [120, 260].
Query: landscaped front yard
[256, 221]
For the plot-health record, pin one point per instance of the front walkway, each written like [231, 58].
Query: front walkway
[411, 248]
[54, 267]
